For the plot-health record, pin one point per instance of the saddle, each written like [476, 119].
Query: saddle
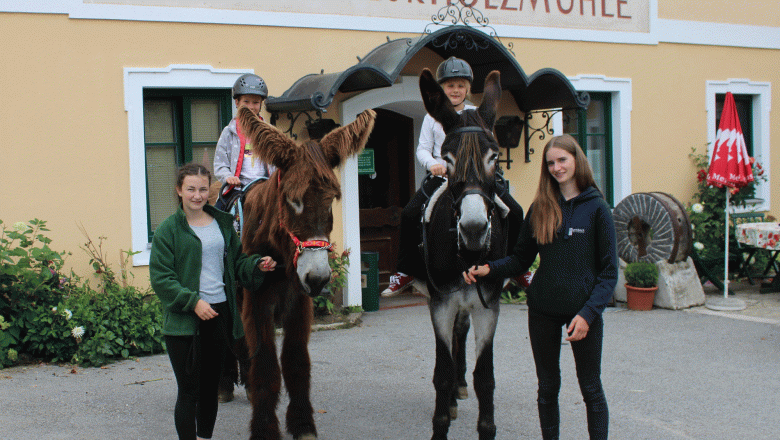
[233, 202]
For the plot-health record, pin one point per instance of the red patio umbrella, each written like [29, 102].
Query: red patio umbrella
[729, 165]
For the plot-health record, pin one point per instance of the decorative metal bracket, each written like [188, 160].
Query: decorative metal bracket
[508, 161]
[541, 131]
[293, 117]
[460, 13]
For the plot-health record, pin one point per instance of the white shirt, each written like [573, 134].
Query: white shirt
[431, 138]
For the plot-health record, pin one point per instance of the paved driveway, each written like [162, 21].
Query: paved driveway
[667, 375]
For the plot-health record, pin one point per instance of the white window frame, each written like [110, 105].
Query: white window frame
[136, 79]
[620, 91]
[762, 105]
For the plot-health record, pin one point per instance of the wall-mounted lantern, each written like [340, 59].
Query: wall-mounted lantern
[508, 130]
[318, 128]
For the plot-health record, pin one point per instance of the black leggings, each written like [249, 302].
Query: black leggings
[545, 334]
[197, 374]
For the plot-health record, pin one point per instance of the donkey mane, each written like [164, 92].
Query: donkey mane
[469, 159]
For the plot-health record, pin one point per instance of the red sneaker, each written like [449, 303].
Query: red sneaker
[398, 283]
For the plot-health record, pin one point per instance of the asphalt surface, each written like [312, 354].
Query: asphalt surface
[691, 374]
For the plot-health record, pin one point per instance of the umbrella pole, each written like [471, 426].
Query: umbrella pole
[726, 256]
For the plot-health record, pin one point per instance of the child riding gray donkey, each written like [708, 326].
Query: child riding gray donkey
[464, 223]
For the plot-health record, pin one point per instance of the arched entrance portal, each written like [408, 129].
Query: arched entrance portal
[377, 82]
[382, 196]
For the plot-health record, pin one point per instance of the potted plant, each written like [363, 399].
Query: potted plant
[641, 284]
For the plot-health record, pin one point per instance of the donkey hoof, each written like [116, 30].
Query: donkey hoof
[453, 412]
[463, 393]
[306, 437]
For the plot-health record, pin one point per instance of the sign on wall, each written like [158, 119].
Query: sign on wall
[608, 15]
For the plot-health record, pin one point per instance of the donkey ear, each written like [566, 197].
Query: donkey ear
[348, 140]
[490, 98]
[436, 102]
[268, 143]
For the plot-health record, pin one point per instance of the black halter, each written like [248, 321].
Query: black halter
[491, 207]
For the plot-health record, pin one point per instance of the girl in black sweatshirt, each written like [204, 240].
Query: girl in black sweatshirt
[570, 226]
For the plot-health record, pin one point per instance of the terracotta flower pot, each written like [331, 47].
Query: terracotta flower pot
[640, 298]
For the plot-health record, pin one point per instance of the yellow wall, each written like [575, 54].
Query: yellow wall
[749, 12]
[65, 128]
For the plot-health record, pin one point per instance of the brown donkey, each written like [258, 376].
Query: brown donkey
[290, 218]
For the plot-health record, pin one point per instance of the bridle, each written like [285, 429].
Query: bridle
[300, 246]
[490, 203]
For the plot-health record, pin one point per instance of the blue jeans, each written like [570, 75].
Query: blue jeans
[545, 335]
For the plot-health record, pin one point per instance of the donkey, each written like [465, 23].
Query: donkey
[464, 224]
[290, 218]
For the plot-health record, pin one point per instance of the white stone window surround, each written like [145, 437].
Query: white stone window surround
[621, 102]
[762, 105]
[136, 79]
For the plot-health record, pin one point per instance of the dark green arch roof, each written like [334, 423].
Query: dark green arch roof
[545, 89]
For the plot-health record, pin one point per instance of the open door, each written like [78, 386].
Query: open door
[384, 194]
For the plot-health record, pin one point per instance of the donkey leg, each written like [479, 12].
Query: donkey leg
[462, 325]
[264, 377]
[485, 323]
[443, 316]
[296, 369]
[444, 383]
[229, 376]
[243, 366]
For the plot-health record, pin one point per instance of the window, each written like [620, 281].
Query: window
[744, 105]
[612, 97]
[753, 101]
[180, 126]
[139, 83]
[592, 128]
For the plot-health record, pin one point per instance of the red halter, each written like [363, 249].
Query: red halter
[300, 246]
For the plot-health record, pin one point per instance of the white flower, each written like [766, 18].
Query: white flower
[21, 226]
[698, 245]
[77, 332]
[68, 314]
[697, 208]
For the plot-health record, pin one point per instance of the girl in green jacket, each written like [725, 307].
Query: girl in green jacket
[196, 258]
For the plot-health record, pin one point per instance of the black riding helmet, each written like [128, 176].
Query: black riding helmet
[454, 67]
[250, 84]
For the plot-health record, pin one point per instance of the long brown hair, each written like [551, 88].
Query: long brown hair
[546, 216]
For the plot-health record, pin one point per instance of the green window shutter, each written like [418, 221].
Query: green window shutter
[180, 126]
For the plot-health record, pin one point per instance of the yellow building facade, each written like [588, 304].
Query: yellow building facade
[85, 84]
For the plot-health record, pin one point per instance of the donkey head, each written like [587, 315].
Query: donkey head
[471, 154]
[306, 186]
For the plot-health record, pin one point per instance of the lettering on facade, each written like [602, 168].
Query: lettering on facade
[612, 15]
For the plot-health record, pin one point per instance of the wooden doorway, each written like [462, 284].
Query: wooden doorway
[384, 194]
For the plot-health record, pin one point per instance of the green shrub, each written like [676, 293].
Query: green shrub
[641, 274]
[707, 213]
[339, 267]
[513, 293]
[58, 319]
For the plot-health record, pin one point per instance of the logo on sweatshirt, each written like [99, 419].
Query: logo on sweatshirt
[572, 231]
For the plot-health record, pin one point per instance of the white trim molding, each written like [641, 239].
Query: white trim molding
[136, 79]
[620, 91]
[402, 97]
[660, 30]
[762, 105]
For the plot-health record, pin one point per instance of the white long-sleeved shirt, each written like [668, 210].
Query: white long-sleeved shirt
[431, 138]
